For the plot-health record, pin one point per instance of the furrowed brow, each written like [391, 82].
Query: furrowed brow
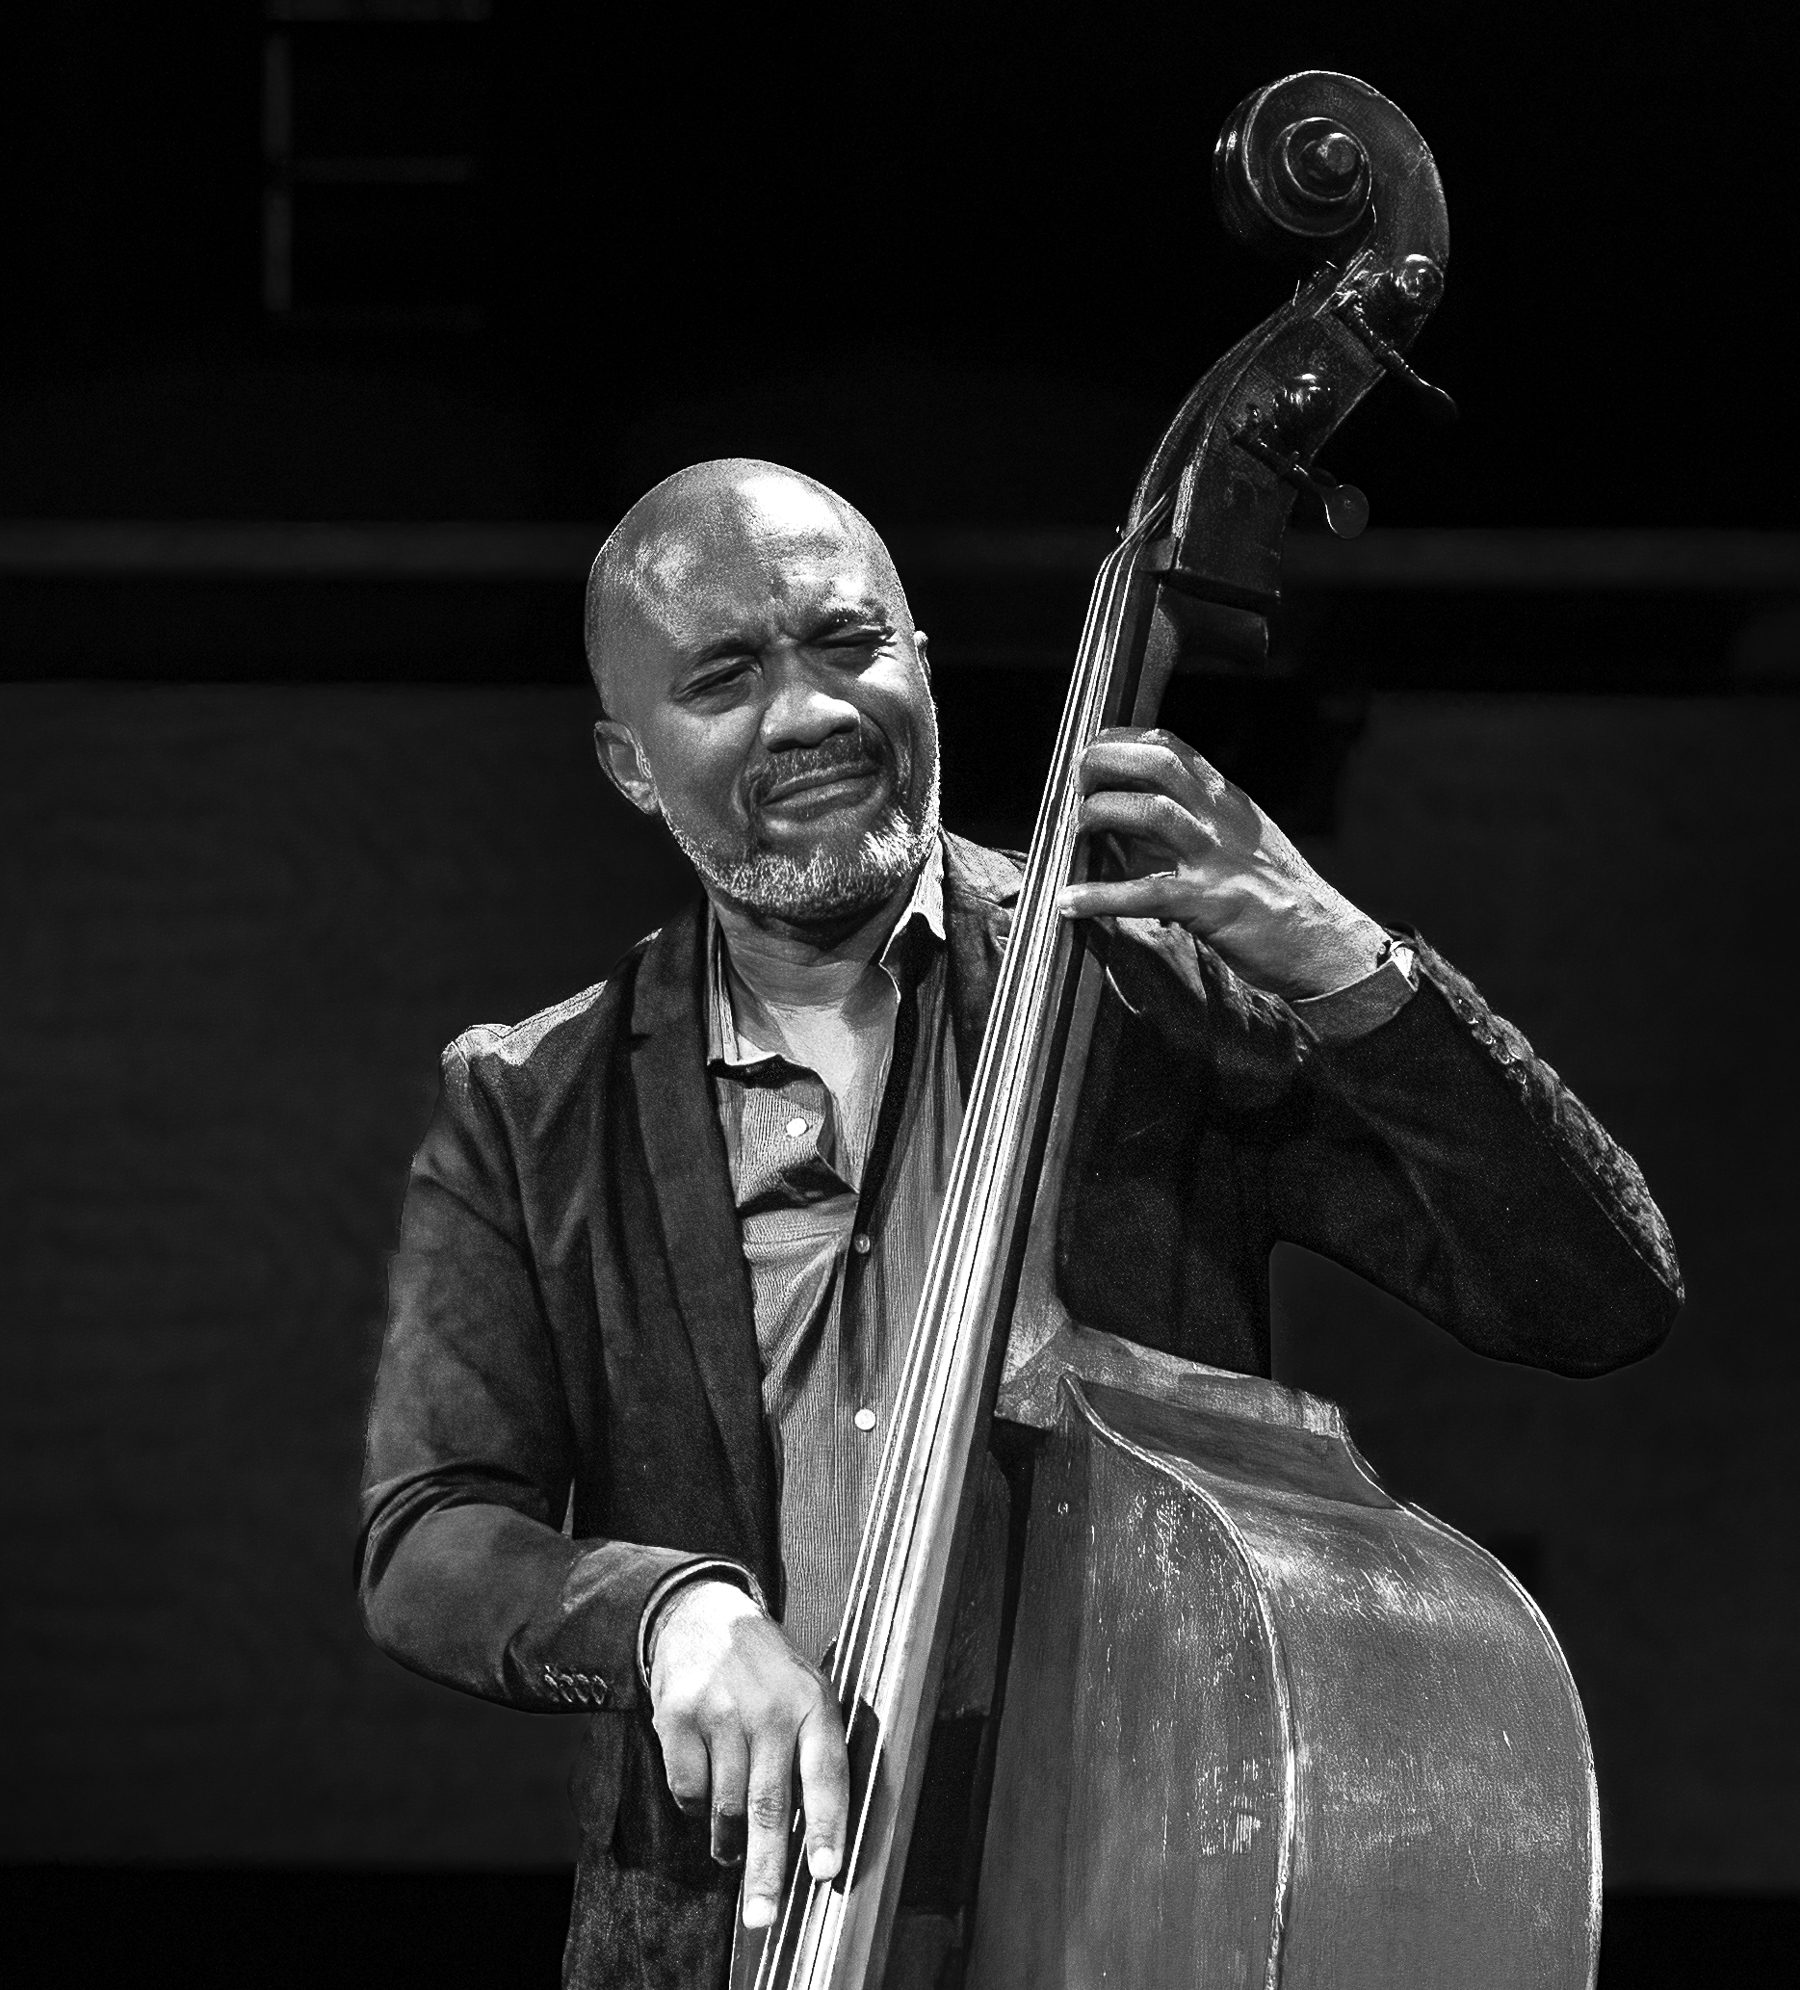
[830, 622]
[739, 642]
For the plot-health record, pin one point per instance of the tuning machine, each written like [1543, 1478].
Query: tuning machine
[1345, 507]
[1411, 290]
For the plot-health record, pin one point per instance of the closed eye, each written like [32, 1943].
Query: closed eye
[854, 639]
[724, 674]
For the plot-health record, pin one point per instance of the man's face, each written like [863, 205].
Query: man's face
[768, 696]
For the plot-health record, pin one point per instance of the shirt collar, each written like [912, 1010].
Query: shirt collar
[724, 1046]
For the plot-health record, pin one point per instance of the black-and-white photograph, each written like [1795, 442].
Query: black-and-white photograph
[897, 913]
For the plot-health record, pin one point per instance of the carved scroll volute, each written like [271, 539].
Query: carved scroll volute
[1321, 169]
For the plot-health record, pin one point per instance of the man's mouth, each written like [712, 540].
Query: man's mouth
[816, 786]
[803, 791]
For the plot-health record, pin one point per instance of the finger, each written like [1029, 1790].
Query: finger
[1160, 896]
[1130, 763]
[1146, 818]
[1152, 736]
[730, 1774]
[771, 1817]
[1145, 735]
[685, 1765]
[824, 1790]
[1149, 760]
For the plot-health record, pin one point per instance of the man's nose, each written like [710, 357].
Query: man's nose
[802, 711]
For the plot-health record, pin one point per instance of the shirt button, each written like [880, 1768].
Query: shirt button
[865, 1419]
[860, 1243]
[796, 1127]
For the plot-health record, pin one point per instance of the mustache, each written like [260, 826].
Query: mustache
[861, 752]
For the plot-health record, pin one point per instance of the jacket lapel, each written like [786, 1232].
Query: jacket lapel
[981, 887]
[679, 1125]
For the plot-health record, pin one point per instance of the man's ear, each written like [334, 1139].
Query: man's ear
[618, 754]
[922, 643]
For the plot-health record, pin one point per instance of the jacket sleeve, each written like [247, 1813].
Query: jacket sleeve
[464, 1571]
[1442, 1159]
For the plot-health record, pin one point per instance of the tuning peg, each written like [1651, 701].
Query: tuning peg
[1346, 509]
[1432, 402]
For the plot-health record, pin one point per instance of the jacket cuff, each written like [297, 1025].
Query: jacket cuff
[583, 1656]
[1360, 1007]
[712, 1569]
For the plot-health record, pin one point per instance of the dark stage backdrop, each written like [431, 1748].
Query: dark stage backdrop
[239, 922]
[957, 261]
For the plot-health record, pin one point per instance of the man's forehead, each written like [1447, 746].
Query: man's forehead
[765, 565]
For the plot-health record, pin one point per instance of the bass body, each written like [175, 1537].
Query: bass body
[1266, 1725]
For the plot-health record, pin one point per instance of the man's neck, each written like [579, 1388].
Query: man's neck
[788, 965]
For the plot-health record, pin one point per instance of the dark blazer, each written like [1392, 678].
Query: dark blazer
[569, 1405]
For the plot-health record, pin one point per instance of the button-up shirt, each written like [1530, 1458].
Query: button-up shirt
[837, 1202]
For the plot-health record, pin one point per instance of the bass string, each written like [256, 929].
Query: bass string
[1078, 724]
[1004, 1068]
[886, 1541]
[950, 1252]
[902, 1426]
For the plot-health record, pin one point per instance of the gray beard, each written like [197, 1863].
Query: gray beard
[830, 884]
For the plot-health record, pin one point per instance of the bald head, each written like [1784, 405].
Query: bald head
[766, 692]
[660, 554]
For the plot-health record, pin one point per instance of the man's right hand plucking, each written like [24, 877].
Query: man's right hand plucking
[738, 1711]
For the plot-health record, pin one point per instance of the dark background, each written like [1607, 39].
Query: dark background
[269, 841]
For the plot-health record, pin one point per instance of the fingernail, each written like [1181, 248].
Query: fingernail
[822, 1862]
[758, 1913]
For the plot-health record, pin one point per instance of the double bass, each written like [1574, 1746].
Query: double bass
[1262, 1724]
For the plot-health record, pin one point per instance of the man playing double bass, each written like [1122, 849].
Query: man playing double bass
[663, 1242]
